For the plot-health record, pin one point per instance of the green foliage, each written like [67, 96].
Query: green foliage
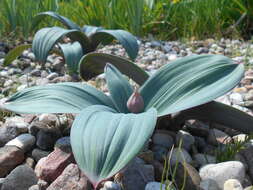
[166, 19]
[182, 84]
[227, 152]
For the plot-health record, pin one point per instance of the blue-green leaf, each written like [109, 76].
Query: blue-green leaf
[56, 98]
[119, 87]
[189, 82]
[92, 64]
[128, 41]
[104, 142]
[65, 21]
[72, 53]
[46, 38]
[89, 30]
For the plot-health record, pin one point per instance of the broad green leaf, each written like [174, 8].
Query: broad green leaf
[104, 142]
[65, 21]
[219, 113]
[46, 38]
[14, 53]
[89, 30]
[127, 40]
[119, 87]
[72, 53]
[189, 82]
[56, 98]
[93, 64]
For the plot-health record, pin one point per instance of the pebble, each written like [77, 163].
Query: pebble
[10, 157]
[204, 159]
[37, 154]
[21, 178]
[109, 185]
[232, 184]
[179, 155]
[158, 186]
[221, 172]
[185, 139]
[24, 142]
[163, 139]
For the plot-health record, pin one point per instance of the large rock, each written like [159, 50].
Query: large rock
[21, 178]
[71, 178]
[50, 167]
[187, 176]
[136, 176]
[221, 172]
[10, 157]
[23, 141]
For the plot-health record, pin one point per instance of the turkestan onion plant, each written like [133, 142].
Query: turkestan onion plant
[110, 131]
[82, 41]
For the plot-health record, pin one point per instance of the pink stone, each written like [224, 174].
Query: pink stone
[71, 178]
[50, 167]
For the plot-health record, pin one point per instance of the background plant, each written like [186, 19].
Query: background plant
[165, 19]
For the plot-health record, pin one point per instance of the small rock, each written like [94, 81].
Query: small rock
[47, 139]
[30, 162]
[248, 155]
[197, 128]
[204, 159]
[50, 167]
[24, 142]
[163, 139]
[37, 154]
[216, 137]
[221, 172]
[10, 157]
[187, 176]
[136, 176]
[160, 152]
[249, 188]
[232, 184]
[71, 178]
[179, 156]
[109, 185]
[42, 82]
[21, 178]
[1, 182]
[48, 119]
[209, 184]
[236, 98]
[52, 76]
[63, 143]
[186, 139]
[147, 156]
[157, 186]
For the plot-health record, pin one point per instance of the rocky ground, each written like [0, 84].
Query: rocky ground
[35, 150]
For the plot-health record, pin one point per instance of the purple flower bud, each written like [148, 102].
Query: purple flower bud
[135, 103]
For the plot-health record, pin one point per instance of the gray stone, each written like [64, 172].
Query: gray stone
[221, 172]
[204, 159]
[42, 82]
[232, 184]
[216, 137]
[1, 182]
[109, 185]
[157, 186]
[47, 139]
[63, 143]
[52, 76]
[163, 139]
[160, 152]
[23, 141]
[209, 184]
[136, 176]
[21, 178]
[186, 139]
[37, 154]
[179, 156]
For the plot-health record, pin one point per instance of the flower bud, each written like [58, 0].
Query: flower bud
[135, 103]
